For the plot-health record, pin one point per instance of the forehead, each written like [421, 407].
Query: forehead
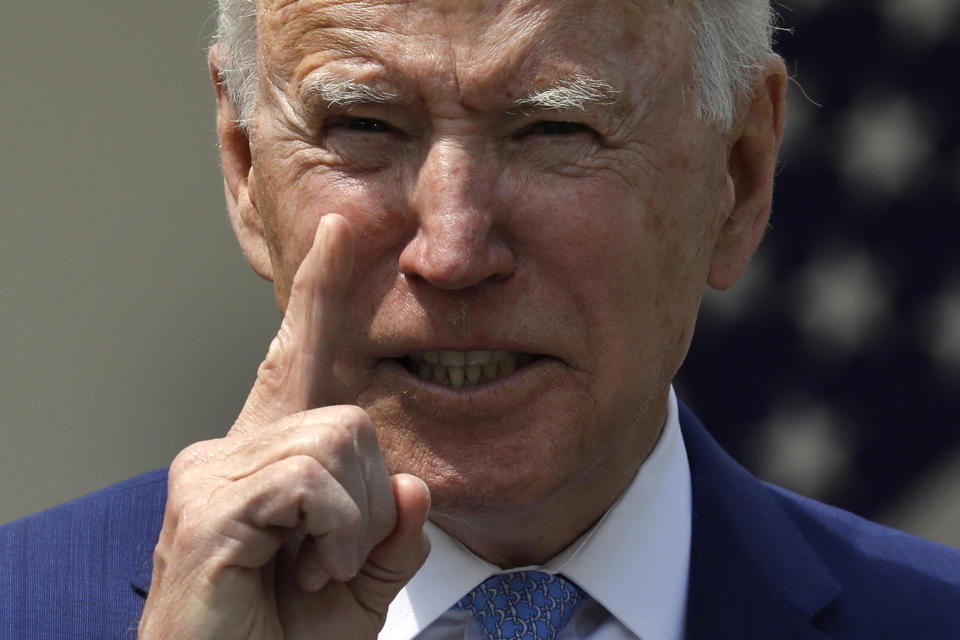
[472, 45]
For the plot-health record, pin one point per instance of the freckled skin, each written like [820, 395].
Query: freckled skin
[474, 228]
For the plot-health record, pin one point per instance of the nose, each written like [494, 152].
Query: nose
[459, 240]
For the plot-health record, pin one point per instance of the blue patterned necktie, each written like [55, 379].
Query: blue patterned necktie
[526, 605]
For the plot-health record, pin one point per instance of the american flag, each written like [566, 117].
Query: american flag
[834, 366]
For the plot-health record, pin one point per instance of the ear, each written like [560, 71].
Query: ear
[751, 164]
[239, 183]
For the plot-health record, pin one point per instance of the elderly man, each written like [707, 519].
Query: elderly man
[489, 226]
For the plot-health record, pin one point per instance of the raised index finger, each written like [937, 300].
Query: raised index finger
[295, 375]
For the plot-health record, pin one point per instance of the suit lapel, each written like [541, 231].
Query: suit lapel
[752, 573]
[140, 581]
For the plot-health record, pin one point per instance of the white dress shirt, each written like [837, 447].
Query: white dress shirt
[634, 564]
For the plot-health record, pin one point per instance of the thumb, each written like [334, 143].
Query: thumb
[392, 563]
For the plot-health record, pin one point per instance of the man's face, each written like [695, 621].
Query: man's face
[576, 239]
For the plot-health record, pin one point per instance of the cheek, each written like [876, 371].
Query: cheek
[630, 256]
[585, 235]
[295, 208]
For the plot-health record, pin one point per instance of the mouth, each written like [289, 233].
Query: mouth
[465, 368]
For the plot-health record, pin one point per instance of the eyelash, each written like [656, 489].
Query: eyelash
[544, 127]
[362, 125]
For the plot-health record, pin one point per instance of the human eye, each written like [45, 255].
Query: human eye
[556, 128]
[360, 125]
[359, 142]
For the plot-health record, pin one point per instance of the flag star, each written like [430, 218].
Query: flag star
[842, 302]
[929, 19]
[802, 448]
[885, 144]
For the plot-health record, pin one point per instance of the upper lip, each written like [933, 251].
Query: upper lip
[405, 352]
[402, 349]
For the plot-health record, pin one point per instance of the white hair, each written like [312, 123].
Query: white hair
[731, 38]
[236, 40]
[574, 92]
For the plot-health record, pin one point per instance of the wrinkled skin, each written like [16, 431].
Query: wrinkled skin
[476, 225]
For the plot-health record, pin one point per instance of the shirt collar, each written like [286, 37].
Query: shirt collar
[635, 561]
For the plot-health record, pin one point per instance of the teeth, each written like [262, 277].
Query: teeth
[473, 373]
[458, 368]
[453, 358]
[490, 370]
[478, 357]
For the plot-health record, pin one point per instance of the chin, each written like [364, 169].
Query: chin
[479, 480]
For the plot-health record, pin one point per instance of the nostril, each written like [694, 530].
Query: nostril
[456, 256]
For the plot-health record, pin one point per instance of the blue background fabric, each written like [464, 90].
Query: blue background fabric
[765, 563]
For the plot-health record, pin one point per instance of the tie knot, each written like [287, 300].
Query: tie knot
[526, 605]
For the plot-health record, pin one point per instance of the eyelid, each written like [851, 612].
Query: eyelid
[346, 120]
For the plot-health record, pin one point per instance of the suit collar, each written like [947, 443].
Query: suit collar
[752, 574]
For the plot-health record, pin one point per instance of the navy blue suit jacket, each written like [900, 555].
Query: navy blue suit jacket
[765, 563]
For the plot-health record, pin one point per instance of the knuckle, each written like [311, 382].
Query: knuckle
[354, 418]
[338, 437]
[303, 481]
[353, 519]
[269, 372]
[324, 433]
[272, 370]
[281, 342]
[345, 534]
[192, 457]
[305, 473]
[312, 442]
[349, 428]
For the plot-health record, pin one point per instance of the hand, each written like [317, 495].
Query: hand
[290, 526]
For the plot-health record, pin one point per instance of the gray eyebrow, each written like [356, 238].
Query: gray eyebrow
[574, 92]
[340, 92]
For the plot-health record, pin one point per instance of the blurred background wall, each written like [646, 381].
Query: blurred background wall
[130, 325]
